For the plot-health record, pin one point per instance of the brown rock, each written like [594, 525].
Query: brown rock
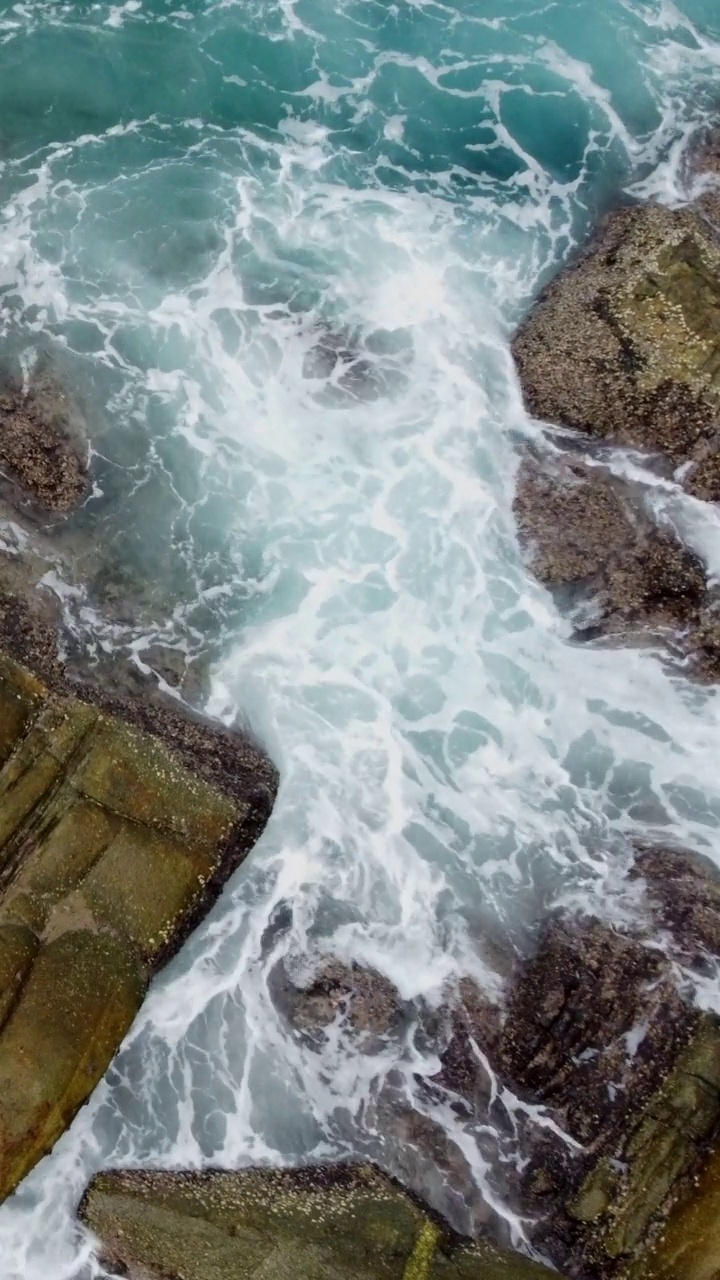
[474, 1026]
[624, 343]
[364, 1000]
[592, 1021]
[684, 889]
[592, 541]
[42, 445]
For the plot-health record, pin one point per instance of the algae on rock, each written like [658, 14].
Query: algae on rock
[110, 850]
[326, 1222]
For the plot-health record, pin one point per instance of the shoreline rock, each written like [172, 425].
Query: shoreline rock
[341, 1221]
[622, 577]
[599, 1032]
[624, 344]
[111, 850]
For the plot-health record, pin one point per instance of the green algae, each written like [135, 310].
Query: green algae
[77, 1003]
[688, 1246]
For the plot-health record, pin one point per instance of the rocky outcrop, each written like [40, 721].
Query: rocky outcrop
[624, 344]
[591, 539]
[43, 449]
[338, 1222]
[629, 1069]
[592, 1089]
[111, 848]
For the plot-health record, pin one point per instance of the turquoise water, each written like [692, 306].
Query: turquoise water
[279, 249]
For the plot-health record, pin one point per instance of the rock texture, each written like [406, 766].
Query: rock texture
[629, 1069]
[334, 1222]
[364, 1001]
[592, 541]
[625, 343]
[110, 850]
[43, 449]
[688, 1246]
[684, 889]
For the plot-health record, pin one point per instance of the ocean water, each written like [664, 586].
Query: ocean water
[279, 247]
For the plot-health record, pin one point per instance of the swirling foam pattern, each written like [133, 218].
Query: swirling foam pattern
[283, 244]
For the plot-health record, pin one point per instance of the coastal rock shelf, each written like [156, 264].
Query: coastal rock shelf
[330, 1222]
[111, 848]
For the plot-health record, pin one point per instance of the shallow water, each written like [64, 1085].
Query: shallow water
[282, 246]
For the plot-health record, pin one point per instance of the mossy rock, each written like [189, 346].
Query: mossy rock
[328, 1222]
[111, 848]
[688, 1246]
[625, 343]
[623, 1202]
[78, 1001]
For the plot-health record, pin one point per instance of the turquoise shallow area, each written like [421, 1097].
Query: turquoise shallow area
[277, 250]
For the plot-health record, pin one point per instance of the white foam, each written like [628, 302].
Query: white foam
[449, 761]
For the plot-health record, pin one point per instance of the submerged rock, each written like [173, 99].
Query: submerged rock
[111, 848]
[474, 1029]
[592, 541]
[329, 1222]
[624, 344]
[43, 448]
[360, 999]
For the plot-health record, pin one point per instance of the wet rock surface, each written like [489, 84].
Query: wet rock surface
[627, 1066]
[111, 849]
[331, 1222]
[590, 1016]
[473, 1032]
[624, 344]
[591, 539]
[684, 893]
[360, 1000]
[43, 447]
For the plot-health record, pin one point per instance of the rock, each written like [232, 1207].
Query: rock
[597, 1031]
[702, 172]
[624, 343]
[111, 848]
[363, 1000]
[592, 1021]
[592, 541]
[623, 1201]
[328, 1222]
[685, 893]
[474, 1030]
[42, 441]
[688, 1246]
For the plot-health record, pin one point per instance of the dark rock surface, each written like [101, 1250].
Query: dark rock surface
[362, 1000]
[473, 1021]
[684, 890]
[597, 1030]
[591, 539]
[43, 448]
